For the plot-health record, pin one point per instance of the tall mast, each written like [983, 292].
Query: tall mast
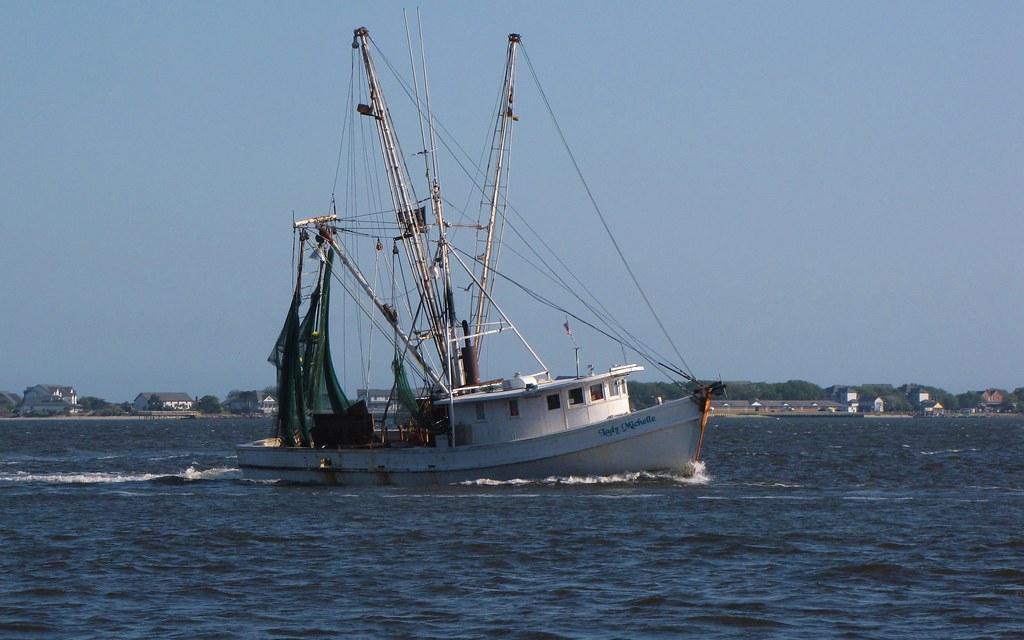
[432, 172]
[493, 192]
[411, 217]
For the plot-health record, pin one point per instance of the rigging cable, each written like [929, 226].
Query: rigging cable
[341, 144]
[665, 369]
[615, 329]
[600, 214]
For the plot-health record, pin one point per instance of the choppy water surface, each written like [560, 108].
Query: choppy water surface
[797, 528]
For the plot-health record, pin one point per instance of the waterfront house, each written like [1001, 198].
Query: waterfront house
[992, 400]
[243, 402]
[730, 406]
[867, 405]
[992, 396]
[841, 394]
[844, 395]
[169, 400]
[268, 405]
[801, 406]
[916, 395]
[50, 398]
[724, 407]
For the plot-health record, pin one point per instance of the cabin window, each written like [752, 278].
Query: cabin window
[596, 392]
[613, 388]
[513, 408]
[481, 414]
[576, 396]
[554, 401]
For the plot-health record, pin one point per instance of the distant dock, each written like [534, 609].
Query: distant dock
[172, 415]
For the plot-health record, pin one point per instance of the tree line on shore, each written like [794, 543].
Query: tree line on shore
[645, 394]
[94, 406]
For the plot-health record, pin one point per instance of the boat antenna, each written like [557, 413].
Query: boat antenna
[600, 214]
[575, 346]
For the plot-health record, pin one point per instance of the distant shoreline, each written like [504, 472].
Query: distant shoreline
[212, 416]
[785, 414]
[865, 416]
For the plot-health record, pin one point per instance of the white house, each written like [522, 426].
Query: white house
[268, 405]
[50, 398]
[173, 400]
[916, 395]
[872, 406]
[844, 395]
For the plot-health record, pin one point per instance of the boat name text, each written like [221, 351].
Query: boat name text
[626, 426]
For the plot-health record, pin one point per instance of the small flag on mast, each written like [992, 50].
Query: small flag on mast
[567, 329]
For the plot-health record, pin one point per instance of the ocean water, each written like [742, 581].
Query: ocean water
[795, 528]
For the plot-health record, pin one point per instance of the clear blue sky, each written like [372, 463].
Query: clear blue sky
[816, 190]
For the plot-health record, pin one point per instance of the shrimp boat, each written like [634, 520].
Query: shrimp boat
[432, 305]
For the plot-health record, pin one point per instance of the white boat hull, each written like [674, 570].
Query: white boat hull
[662, 438]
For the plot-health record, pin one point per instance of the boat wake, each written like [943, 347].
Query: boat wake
[190, 474]
[221, 473]
[698, 476]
